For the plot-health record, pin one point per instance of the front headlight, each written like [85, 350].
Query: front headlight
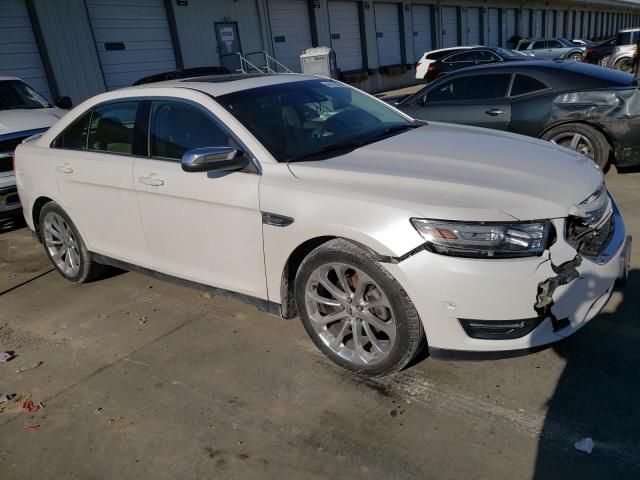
[482, 240]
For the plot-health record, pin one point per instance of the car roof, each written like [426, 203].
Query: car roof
[558, 70]
[217, 85]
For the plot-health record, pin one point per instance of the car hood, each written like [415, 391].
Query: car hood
[29, 119]
[461, 173]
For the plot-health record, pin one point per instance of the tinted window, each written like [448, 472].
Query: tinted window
[523, 84]
[177, 128]
[474, 87]
[112, 126]
[523, 45]
[486, 56]
[554, 44]
[439, 55]
[627, 38]
[539, 45]
[74, 137]
[462, 57]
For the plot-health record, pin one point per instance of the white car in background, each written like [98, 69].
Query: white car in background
[23, 113]
[422, 66]
[305, 196]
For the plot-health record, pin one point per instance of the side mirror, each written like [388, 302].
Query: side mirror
[214, 159]
[64, 103]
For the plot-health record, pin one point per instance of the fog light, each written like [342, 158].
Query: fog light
[499, 329]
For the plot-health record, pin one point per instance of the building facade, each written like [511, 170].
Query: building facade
[80, 48]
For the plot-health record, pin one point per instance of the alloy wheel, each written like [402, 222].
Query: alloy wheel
[575, 141]
[61, 243]
[350, 313]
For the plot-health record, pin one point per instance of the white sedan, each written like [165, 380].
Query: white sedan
[307, 197]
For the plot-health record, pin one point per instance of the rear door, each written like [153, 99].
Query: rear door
[93, 159]
[479, 100]
[539, 49]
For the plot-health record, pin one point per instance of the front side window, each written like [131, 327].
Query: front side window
[554, 44]
[523, 45]
[112, 126]
[177, 127]
[524, 84]
[17, 95]
[308, 118]
[74, 137]
[462, 57]
[472, 87]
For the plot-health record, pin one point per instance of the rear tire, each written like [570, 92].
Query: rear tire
[624, 65]
[583, 139]
[355, 311]
[604, 61]
[65, 248]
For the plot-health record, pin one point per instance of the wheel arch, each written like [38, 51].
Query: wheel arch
[607, 136]
[288, 307]
[35, 213]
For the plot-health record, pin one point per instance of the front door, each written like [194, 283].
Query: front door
[203, 227]
[229, 46]
[479, 100]
[94, 158]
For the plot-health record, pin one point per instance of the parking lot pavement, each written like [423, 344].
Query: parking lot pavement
[145, 379]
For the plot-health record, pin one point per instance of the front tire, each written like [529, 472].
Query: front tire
[576, 57]
[604, 61]
[624, 65]
[582, 138]
[64, 246]
[355, 311]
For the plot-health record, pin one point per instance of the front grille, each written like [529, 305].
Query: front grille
[587, 240]
[6, 149]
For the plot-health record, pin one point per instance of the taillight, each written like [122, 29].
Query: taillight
[431, 68]
[590, 50]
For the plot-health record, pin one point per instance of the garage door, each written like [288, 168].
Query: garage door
[526, 23]
[473, 26]
[132, 39]
[549, 18]
[449, 26]
[290, 30]
[344, 24]
[559, 23]
[19, 55]
[494, 27]
[421, 18]
[388, 34]
[537, 24]
[511, 30]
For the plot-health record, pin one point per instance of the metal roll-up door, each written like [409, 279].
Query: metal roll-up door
[559, 23]
[549, 19]
[537, 24]
[422, 35]
[569, 30]
[592, 24]
[578, 32]
[473, 26]
[449, 26]
[19, 54]
[133, 39]
[344, 25]
[290, 31]
[494, 27]
[526, 23]
[512, 29]
[388, 34]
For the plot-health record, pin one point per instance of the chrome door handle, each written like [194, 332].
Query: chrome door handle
[64, 169]
[494, 112]
[154, 182]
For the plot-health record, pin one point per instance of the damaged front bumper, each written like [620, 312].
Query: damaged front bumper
[502, 305]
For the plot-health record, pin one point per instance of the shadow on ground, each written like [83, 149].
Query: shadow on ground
[597, 396]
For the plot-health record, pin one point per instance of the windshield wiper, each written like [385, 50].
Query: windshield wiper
[338, 147]
[389, 131]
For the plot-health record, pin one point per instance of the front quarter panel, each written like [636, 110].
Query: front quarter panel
[385, 229]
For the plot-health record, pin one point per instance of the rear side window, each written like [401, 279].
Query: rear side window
[523, 45]
[554, 44]
[538, 45]
[524, 84]
[439, 55]
[74, 137]
[112, 127]
[472, 87]
[177, 128]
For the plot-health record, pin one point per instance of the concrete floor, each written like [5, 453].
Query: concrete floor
[146, 380]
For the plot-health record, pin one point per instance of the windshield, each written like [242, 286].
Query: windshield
[310, 118]
[504, 53]
[15, 94]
